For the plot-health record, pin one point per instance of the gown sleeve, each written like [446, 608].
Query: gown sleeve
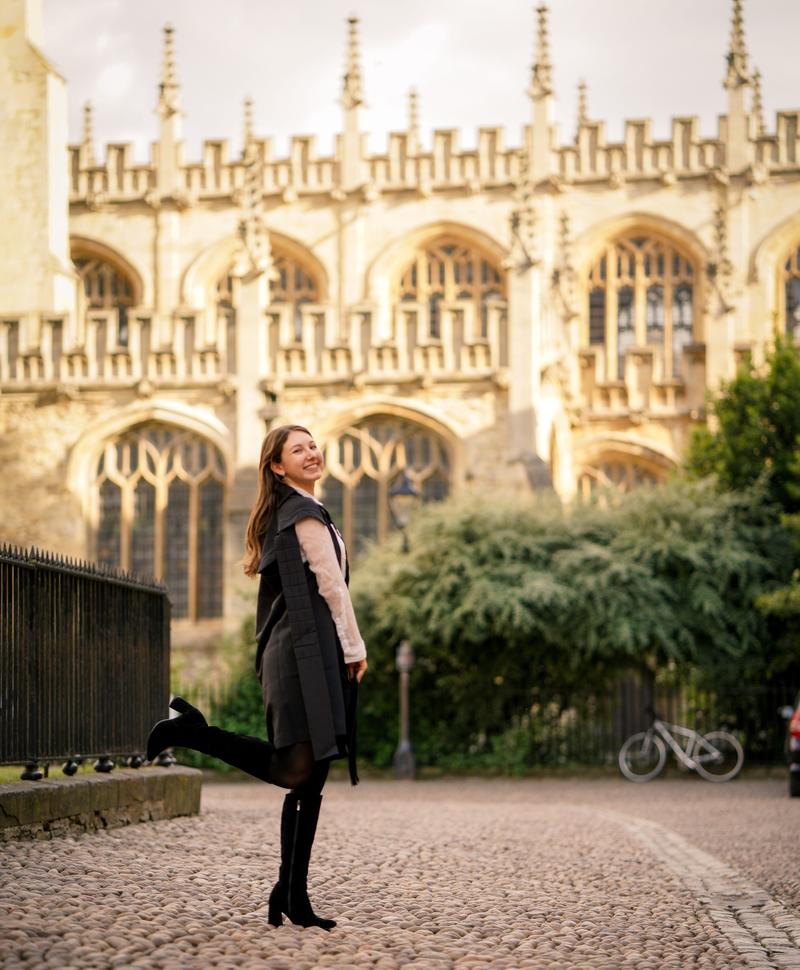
[317, 548]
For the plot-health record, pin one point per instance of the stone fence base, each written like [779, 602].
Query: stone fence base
[69, 806]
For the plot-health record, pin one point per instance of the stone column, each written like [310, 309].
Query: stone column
[251, 356]
[36, 274]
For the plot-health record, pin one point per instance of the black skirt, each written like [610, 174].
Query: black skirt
[284, 705]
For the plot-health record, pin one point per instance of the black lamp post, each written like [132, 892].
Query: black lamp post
[403, 499]
[404, 761]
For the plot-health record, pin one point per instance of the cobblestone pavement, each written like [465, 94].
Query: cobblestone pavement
[455, 874]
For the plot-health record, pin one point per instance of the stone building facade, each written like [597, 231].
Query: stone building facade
[551, 313]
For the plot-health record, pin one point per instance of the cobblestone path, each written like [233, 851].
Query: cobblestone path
[446, 874]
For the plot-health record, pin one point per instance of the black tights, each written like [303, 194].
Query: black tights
[294, 767]
[290, 767]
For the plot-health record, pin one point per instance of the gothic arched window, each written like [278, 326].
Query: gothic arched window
[620, 473]
[367, 460]
[448, 272]
[641, 290]
[790, 292]
[105, 287]
[160, 497]
[292, 285]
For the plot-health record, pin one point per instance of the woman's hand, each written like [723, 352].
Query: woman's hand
[357, 669]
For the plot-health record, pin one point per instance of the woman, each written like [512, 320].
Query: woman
[310, 659]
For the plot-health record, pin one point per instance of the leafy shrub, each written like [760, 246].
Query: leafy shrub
[501, 598]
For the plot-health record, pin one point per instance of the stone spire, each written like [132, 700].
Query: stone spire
[352, 90]
[737, 73]
[351, 148]
[540, 133]
[758, 104]
[739, 151]
[542, 70]
[413, 121]
[169, 89]
[583, 111]
[168, 174]
[247, 138]
[87, 138]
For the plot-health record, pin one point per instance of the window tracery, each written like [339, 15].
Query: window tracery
[160, 496]
[449, 272]
[790, 292]
[367, 460]
[641, 291]
[620, 473]
[105, 287]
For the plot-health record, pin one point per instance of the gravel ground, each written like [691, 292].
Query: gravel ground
[456, 874]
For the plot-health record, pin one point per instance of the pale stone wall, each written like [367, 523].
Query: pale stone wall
[37, 274]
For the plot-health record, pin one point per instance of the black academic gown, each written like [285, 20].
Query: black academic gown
[299, 659]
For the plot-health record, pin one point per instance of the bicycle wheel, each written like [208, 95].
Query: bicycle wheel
[718, 757]
[642, 756]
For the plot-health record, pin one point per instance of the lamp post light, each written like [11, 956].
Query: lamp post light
[403, 499]
[404, 761]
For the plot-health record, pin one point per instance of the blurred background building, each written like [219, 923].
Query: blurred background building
[551, 313]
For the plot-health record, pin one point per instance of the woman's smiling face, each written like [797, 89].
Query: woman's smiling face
[301, 461]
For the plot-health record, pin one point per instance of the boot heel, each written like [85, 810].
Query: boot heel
[181, 705]
[274, 912]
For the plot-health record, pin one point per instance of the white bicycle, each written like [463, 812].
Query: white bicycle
[716, 756]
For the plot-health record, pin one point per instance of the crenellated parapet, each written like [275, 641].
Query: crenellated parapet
[217, 175]
[405, 166]
[639, 155]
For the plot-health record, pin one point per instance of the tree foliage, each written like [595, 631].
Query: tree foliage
[758, 433]
[758, 439]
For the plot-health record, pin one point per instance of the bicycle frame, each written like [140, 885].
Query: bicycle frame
[694, 741]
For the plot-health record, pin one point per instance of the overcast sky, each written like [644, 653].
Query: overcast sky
[469, 59]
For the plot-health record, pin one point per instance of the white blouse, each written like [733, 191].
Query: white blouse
[317, 550]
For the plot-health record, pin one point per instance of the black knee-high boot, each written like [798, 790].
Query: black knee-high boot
[290, 893]
[191, 730]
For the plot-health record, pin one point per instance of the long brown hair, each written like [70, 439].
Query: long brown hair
[267, 497]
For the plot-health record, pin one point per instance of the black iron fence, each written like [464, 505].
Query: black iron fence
[84, 660]
[553, 726]
[544, 726]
